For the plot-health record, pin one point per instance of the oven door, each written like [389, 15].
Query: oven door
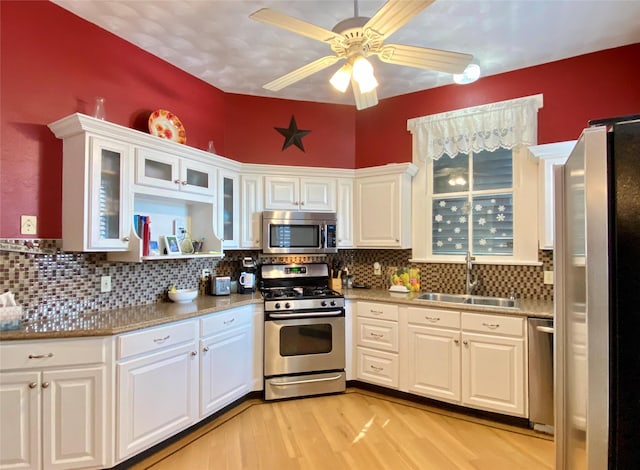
[296, 343]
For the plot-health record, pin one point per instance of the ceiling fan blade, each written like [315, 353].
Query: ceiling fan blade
[302, 72]
[275, 18]
[393, 15]
[363, 100]
[424, 58]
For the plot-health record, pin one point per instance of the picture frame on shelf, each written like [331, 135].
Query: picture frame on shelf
[171, 244]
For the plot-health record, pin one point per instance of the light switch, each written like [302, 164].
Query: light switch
[548, 277]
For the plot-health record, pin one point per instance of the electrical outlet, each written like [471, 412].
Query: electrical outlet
[377, 269]
[105, 284]
[205, 273]
[28, 224]
[548, 277]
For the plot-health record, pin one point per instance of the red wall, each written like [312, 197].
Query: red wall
[250, 136]
[53, 63]
[575, 90]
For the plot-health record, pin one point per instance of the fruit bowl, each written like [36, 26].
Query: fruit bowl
[182, 296]
[404, 279]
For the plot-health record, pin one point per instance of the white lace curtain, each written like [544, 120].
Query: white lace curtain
[488, 127]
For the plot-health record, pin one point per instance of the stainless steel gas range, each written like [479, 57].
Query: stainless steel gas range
[304, 332]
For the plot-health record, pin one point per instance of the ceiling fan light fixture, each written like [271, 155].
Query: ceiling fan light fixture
[471, 74]
[363, 74]
[340, 80]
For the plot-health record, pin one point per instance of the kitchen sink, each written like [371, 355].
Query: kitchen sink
[469, 299]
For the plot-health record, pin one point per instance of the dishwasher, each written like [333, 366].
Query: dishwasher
[540, 336]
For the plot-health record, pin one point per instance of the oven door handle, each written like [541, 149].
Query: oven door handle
[308, 381]
[334, 313]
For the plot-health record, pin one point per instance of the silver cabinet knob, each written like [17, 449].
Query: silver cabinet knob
[125, 239]
[33, 385]
[45, 384]
[183, 183]
[205, 349]
[194, 353]
[465, 342]
[456, 341]
[177, 181]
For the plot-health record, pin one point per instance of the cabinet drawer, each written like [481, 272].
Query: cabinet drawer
[222, 321]
[432, 317]
[52, 353]
[378, 367]
[152, 339]
[375, 310]
[379, 334]
[494, 324]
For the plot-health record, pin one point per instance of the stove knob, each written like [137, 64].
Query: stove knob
[323, 303]
[333, 303]
[287, 305]
[277, 305]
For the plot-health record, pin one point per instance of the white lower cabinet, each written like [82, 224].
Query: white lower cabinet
[157, 373]
[434, 362]
[471, 359]
[226, 358]
[377, 341]
[54, 397]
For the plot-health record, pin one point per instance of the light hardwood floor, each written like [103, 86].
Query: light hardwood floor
[356, 430]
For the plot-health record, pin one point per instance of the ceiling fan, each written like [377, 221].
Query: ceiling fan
[354, 39]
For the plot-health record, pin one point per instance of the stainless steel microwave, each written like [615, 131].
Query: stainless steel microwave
[290, 232]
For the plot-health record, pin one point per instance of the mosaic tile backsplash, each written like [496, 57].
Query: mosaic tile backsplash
[54, 283]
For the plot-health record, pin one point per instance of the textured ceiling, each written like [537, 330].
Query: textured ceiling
[216, 41]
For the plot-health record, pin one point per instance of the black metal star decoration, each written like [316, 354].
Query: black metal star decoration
[292, 135]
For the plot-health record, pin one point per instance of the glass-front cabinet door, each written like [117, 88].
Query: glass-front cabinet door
[198, 178]
[157, 169]
[163, 170]
[109, 208]
[228, 209]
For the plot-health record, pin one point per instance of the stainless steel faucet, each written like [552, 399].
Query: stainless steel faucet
[472, 279]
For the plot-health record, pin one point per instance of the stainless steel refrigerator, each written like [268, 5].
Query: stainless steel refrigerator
[597, 300]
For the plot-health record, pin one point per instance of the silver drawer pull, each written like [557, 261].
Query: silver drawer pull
[40, 356]
[228, 322]
[308, 381]
[376, 335]
[161, 340]
[376, 312]
[493, 326]
[376, 369]
[432, 319]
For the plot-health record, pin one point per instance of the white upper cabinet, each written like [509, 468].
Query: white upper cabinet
[166, 171]
[345, 212]
[383, 207]
[250, 211]
[549, 155]
[111, 172]
[96, 201]
[300, 193]
[228, 208]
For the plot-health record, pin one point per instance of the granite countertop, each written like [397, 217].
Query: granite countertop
[122, 320]
[528, 307]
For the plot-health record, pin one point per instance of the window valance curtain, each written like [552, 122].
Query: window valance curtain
[504, 124]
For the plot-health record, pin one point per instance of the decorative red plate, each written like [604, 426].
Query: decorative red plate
[166, 125]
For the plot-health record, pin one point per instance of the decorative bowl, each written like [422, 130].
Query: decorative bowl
[182, 296]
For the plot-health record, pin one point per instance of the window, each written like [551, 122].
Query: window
[476, 189]
[472, 204]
